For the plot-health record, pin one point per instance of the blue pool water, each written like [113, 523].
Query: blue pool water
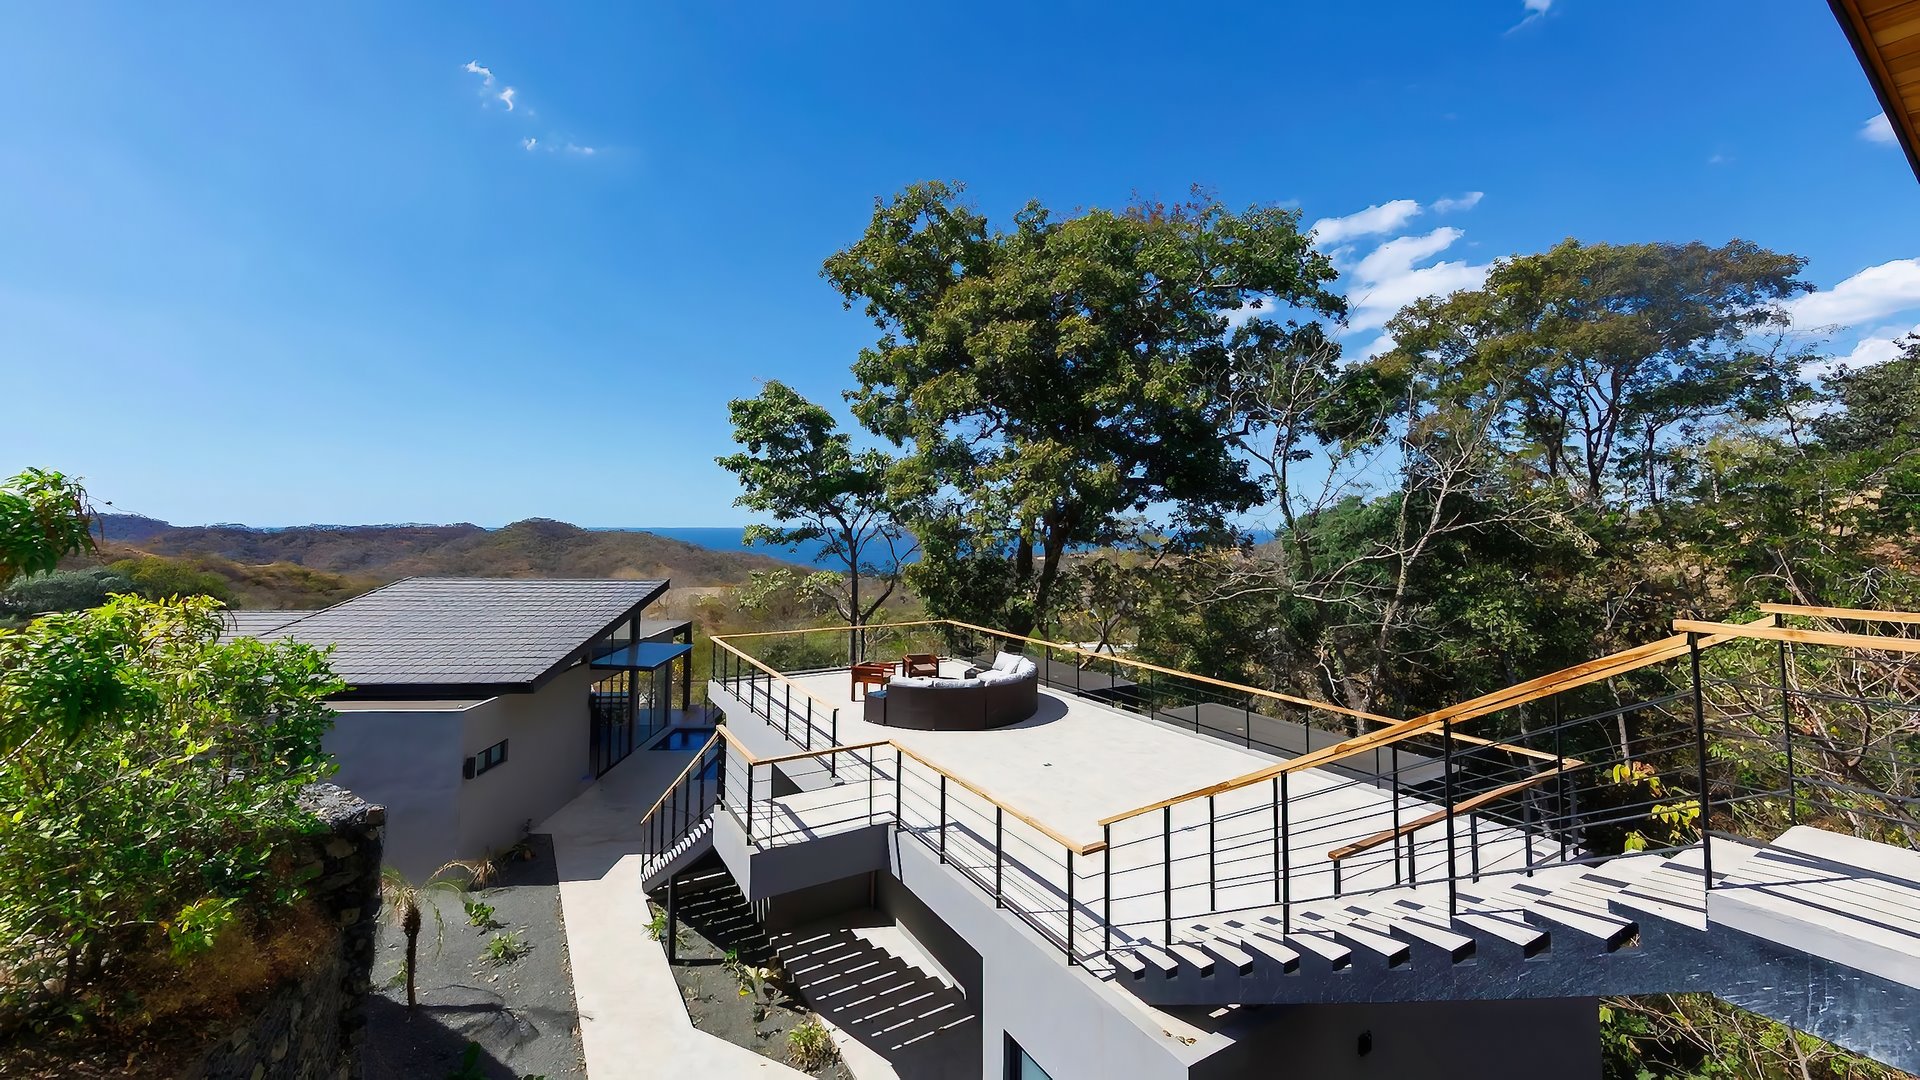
[684, 739]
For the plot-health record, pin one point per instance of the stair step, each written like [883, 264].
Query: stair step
[1437, 938]
[1156, 960]
[1506, 931]
[1388, 948]
[1608, 929]
[1128, 963]
[1229, 953]
[1192, 959]
[1262, 945]
[1320, 944]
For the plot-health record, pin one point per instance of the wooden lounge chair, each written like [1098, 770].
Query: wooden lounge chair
[870, 674]
[914, 664]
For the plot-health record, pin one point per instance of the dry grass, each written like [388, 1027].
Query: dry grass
[164, 1013]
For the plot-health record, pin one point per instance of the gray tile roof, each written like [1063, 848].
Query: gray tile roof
[445, 633]
[253, 622]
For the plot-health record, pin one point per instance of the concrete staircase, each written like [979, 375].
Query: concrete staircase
[1504, 937]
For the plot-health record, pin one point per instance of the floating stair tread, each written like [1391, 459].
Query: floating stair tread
[1157, 960]
[1127, 963]
[1194, 958]
[1228, 952]
[1884, 859]
[1390, 949]
[1262, 945]
[1319, 944]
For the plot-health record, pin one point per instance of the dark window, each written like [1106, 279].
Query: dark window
[1020, 1066]
[487, 759]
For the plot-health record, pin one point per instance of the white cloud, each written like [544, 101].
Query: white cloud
[1465, 202]
[1878, 347]
[1388, 279]
[486, 75]
[1868, 296]
[583, 151]
[1718, 159]
[1384, 218]
[1878, 130]
[1537, 7]
[529, 142]
[506, 96]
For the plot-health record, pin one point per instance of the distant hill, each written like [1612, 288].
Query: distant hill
[536, 547]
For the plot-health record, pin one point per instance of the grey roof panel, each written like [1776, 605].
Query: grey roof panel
[466, 631]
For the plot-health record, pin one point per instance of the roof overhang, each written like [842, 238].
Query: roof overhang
[1886, 37]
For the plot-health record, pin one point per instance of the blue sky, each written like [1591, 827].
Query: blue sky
[304, 266]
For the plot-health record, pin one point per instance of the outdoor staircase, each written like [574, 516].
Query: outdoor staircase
[707, 899]
[685, 850]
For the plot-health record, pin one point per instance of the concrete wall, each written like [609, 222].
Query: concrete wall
[1472, 1040]
[547, 761]
[405, 756]
[409, 755]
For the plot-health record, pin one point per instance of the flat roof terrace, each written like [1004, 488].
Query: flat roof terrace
[1079, 762]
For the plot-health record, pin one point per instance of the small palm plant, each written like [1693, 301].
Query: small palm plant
[407, 901]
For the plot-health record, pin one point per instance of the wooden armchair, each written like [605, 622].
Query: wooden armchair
[920, 664]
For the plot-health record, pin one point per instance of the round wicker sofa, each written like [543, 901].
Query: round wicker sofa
[1006, 693]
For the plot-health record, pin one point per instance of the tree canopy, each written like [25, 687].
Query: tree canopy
[1065, 382]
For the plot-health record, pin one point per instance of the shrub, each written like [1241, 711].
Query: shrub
[810, 1046]
[506, 948]
[480, 914]
[149, 782]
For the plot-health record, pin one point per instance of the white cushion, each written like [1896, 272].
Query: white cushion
[996, 677]
[1005, 661]
[1025, 667]
[953, 684]
[920, 681]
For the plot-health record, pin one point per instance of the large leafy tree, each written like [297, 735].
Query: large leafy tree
[798, 468]
[1067, 382]
[43, 519]
[1616, 347]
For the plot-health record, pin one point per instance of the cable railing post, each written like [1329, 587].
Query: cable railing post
[998, 859]
[1560, 783]
[899, 810]
[1069, 907]
[1395, 751]
[1453, 886]
[1700, 751]
[872, 777]
[943, 819]
[1211, 861]
[1279, 840]
[1786, 737]
[1246, 719]
[750, 840]
[1166, 884]
[1106, 884]
[1286, 860]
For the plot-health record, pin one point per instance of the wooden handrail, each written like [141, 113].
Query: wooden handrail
[684, 773]
[1805, 637]
[1546, 685]
[753, 759]
[828, 707]
[836, 629]
[1857, 614]
[1436, 817]
[1276, 695]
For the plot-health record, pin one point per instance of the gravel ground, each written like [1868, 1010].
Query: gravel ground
[521, 1013]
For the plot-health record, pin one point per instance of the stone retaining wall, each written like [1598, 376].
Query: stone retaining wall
[313, 1027]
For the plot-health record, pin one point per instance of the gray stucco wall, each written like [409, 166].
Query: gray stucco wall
[407, 759]
[547, 762]
[1471, 1040]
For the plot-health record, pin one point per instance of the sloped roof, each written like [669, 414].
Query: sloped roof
[258, 623]
[435, 637]
[1886, 37]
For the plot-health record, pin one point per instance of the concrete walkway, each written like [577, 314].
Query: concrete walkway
[633, 1025]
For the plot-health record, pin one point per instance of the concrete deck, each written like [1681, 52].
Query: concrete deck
[1077, 761]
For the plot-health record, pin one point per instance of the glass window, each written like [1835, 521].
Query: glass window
[1021, 1066]
[489, 758]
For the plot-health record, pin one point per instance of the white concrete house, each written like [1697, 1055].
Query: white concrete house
[476, 707]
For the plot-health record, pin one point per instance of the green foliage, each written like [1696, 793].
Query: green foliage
[506, 948]
[1055, 384]
[1696, 1037]
[163, 579]
[469, 1067]
[61, 590]
[810, 1046]
[480, 914]
[44, 517]
[798, 468]
[149, 780]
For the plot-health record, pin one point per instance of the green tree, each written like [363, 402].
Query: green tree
[61, 590]
[800, 469]
[1066, 383]
[148, 777]
[44, 517]
[159, 578]
[1615, 349]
